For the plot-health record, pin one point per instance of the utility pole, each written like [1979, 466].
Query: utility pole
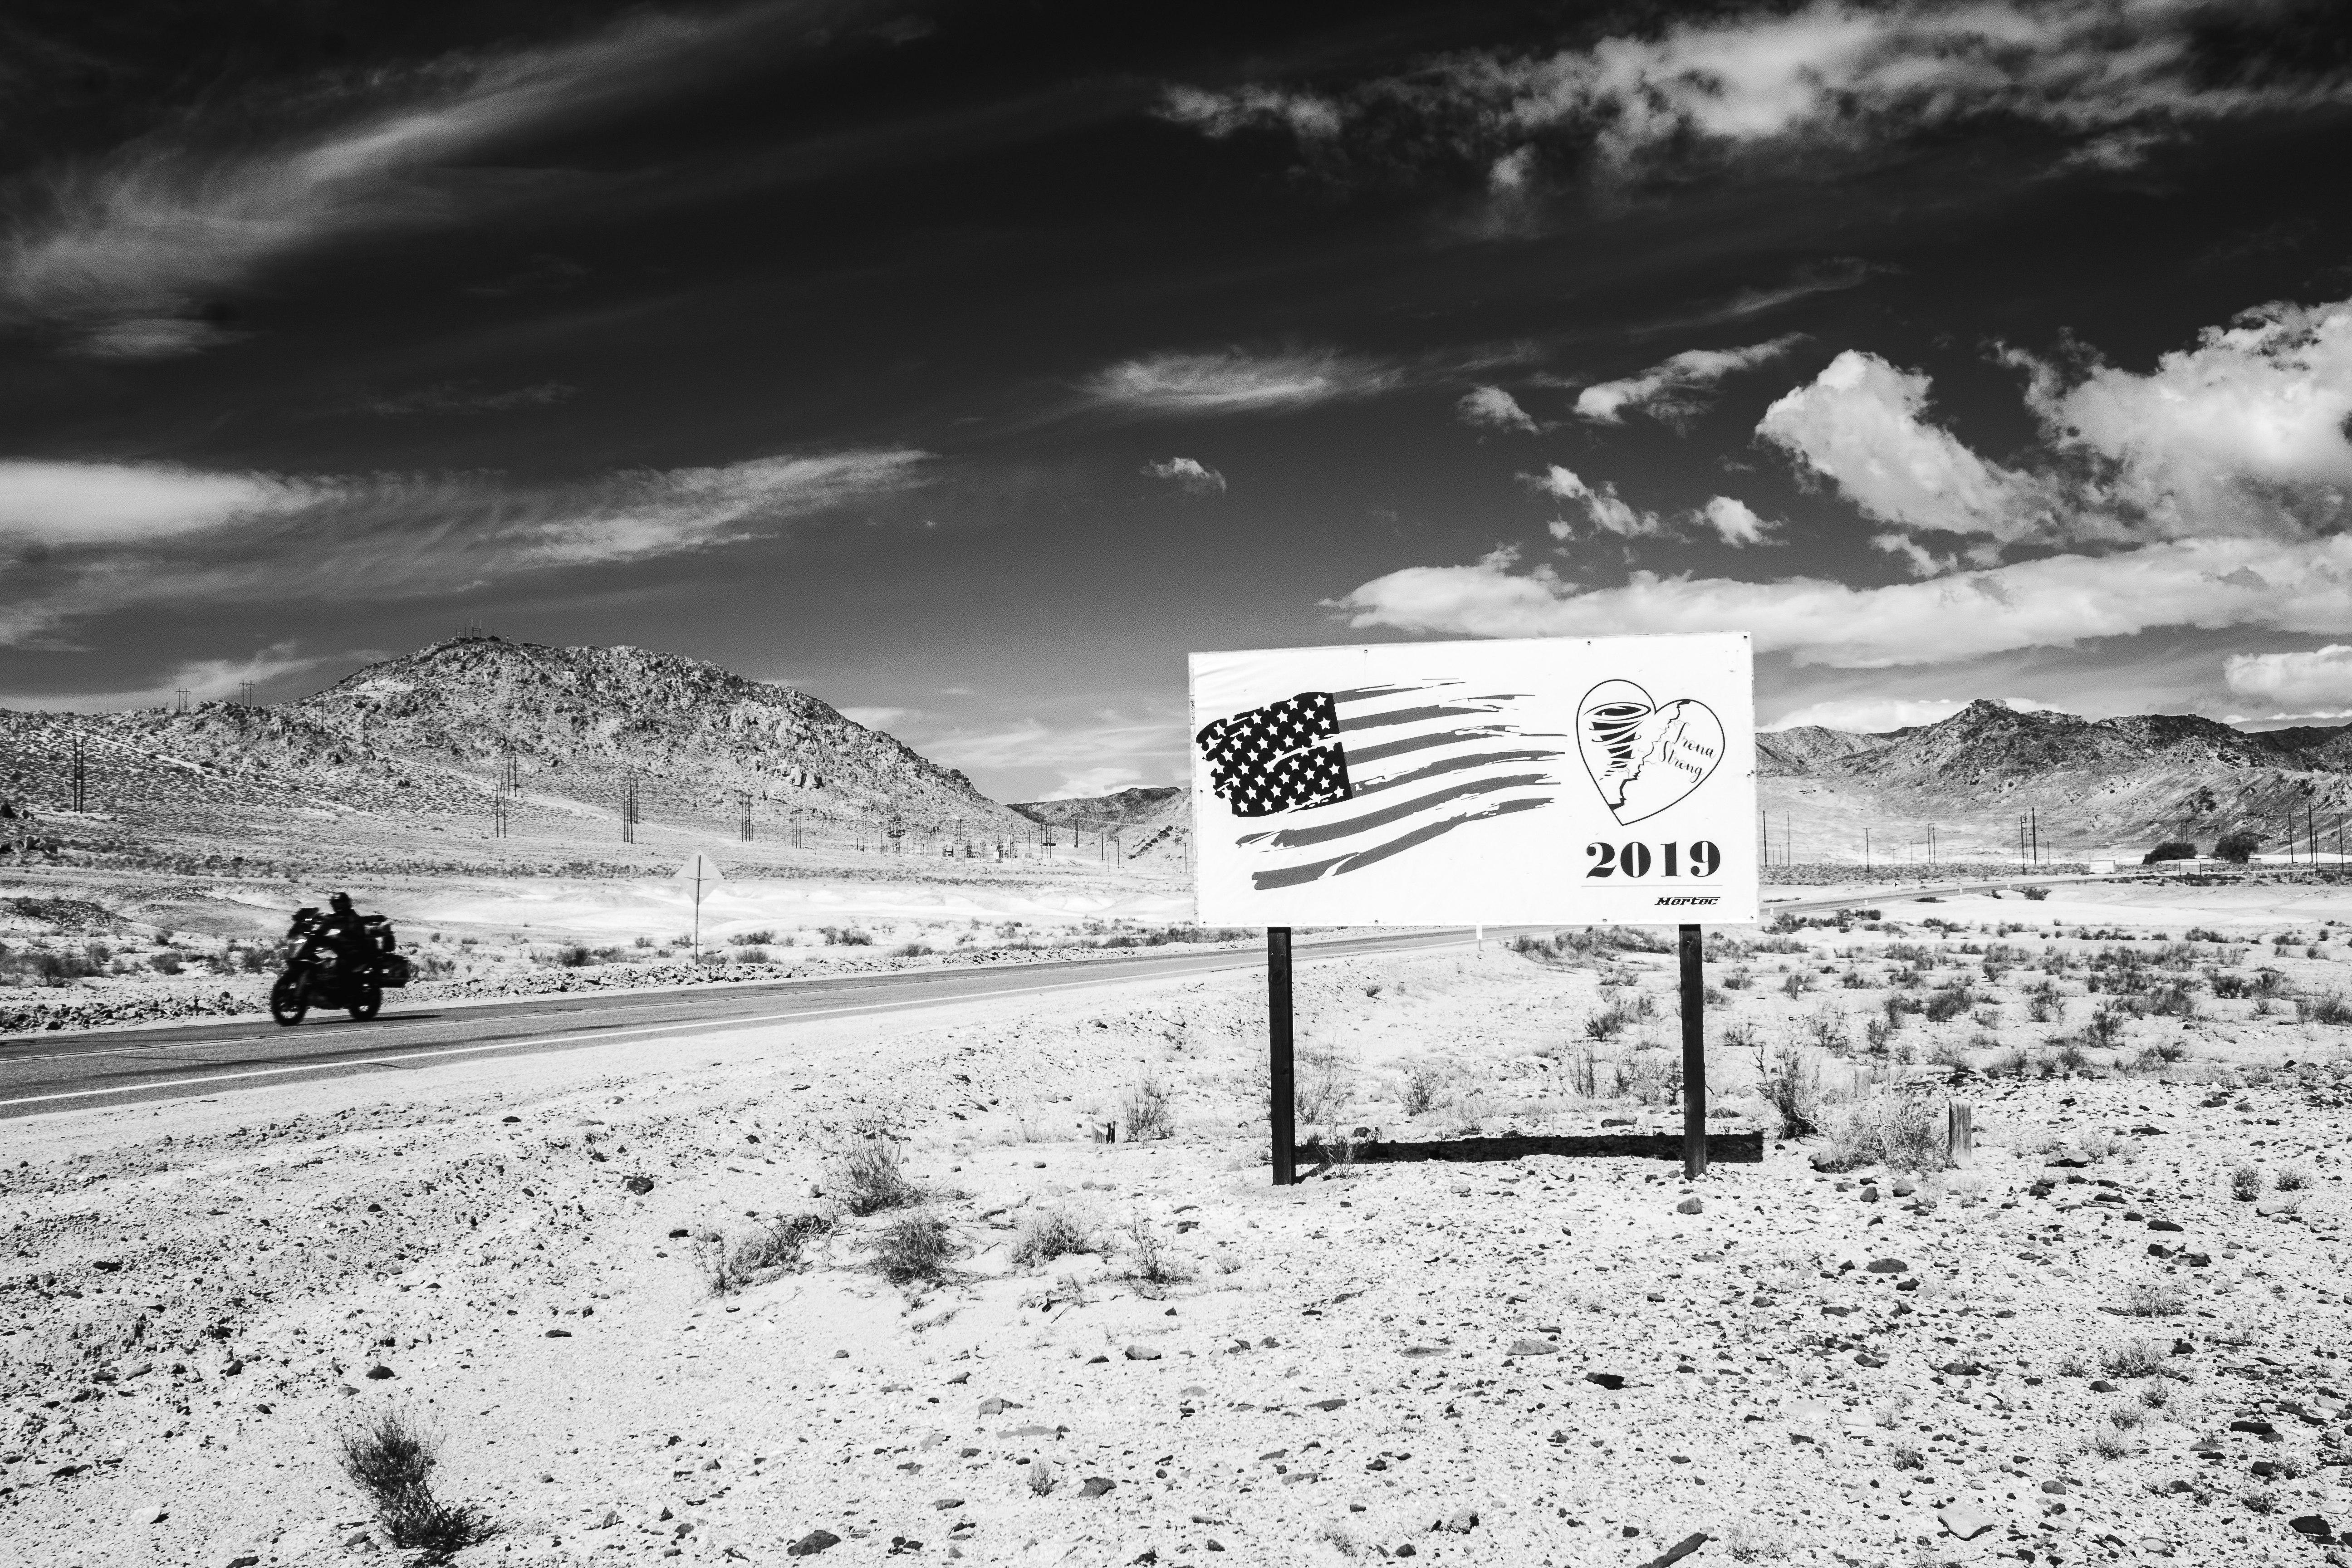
[629, 810]
[2033, 827]
[746, 815]
[1865, 849]
[1764, 826]
[183, 699]
[245, 694]
[81, 778]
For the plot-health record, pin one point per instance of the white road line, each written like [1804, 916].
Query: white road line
[600, 1035]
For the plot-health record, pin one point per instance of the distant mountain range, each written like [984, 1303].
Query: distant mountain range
[1151, 821]
[565, 734]
[2098, 786]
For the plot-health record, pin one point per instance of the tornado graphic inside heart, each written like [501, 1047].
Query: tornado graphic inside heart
[1643, 756]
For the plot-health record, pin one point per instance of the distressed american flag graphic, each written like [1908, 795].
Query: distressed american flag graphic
[1372, 772]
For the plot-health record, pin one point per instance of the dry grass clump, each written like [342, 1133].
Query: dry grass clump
[2246, 1183]
[1148, 1112]
[1424, 1086]
[2153, 1299]
[2133, 1358]
[915, 1248]
[1152, 1263]
[2292, 1179]
[1047, 1234]
[776, 1247]
[391, 1457]
[872, 1177]
[1326, 1077]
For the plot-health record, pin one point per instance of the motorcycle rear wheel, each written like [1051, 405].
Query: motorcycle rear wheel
[370, 1002]
[289, 1000]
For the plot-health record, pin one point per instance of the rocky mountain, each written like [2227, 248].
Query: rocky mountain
[2099, 785]
[564, 732]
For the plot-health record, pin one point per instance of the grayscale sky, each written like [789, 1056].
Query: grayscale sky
[966, 365]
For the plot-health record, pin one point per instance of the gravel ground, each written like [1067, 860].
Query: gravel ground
[2082, 1349]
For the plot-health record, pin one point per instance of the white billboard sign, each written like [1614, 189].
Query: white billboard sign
[1558, 780]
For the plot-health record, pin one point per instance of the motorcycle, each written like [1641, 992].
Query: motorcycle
[351, 974]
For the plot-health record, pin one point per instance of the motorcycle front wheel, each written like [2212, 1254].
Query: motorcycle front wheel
[368, 1003]
[289, 1000]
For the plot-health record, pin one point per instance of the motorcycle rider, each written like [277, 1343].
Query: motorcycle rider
[343, 934]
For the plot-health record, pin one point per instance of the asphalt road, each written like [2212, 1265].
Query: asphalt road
[69, 1071]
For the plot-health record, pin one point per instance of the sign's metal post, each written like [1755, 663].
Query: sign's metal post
[1694, 1053]
[1281, 1096]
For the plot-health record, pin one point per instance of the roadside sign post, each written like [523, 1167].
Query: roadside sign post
[1568, 781]
[1694, 980]
[1282, 1093]
[699, 874]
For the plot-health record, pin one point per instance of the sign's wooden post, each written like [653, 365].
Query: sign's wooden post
[1282, 1100]
[1693, 1055]
[1960, 1134]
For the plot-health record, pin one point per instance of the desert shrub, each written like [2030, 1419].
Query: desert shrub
[2013, 1063]
[2292, 1179]
[1878, 1034]
[1825, 1029]
[1738, 980]
[1798, 981]
[2035, 894]
[1152, 1262]
[2328, 1007]
[1049, 1233]
[2246, 1183]
[1790, 1083]
[776, 1247]
[571, 955]
[1652, 1076]
[1326, 1077]
[2153, 1299]
[916, 1248]
[2104, 1028]
[741, 939]
[872, 1177]
[1146, 1112]
[845, 936]
[1904, 1131]
[390, 1458]
[2068, 1055]
[1424, 1086]
[2176, 1000]
[2237, 848]
[752, 955]
[2170, 849]
[1043, 1477]
[911, 950]
[1949, 1003]
[2043, 1003]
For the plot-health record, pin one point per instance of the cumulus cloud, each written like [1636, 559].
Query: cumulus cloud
[880, 718]
[1196, 477]
[1494, 408]
[114, 535]
[1861, 423]
[2315, 677]
[2116, 75]
[123, 250]
[1232, 382]
[1602, 507]
[2210, 584]
[1678, 389]
[1736, 522]
[2250, 431]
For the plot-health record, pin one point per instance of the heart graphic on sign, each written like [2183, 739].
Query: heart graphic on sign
[1643, 756]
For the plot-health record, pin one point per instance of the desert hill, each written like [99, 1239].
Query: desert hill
[1149, 821]
[2100, 786]
[431, 740]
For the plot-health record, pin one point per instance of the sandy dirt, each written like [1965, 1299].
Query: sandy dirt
[2085, 1348]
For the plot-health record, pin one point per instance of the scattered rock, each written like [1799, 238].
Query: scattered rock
[640, 1186]
[2312, 1527]
[1887, 1266]
[1868, 1195]
[1965, 1520]
[378, 1372]
[1143, 1352]
[1678, 1552]
[148, 1512]
[1609, 1380]
[1690, 1206]
[1096, 1486]
[558, 1333]
[1529, 1346]
[814, 1542]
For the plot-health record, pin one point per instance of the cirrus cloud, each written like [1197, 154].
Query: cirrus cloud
[1232, 381]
